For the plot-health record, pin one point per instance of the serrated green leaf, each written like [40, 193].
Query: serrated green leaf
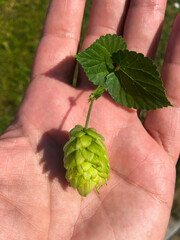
[136, 82]
[96, 59]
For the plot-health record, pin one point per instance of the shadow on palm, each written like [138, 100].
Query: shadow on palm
[52, 156]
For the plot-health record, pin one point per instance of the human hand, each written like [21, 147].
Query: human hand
[35, 199]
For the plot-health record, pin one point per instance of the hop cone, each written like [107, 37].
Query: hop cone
[86, 160]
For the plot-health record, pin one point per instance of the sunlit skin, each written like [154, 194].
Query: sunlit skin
[36, 202]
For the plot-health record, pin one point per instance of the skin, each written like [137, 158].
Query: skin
[35, 199]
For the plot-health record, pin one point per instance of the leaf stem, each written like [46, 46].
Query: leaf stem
[89, 112]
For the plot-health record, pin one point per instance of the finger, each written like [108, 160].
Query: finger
[107, 16]
[60, 38]
[143, 25]
[164, 124]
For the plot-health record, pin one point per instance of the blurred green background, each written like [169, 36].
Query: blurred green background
[21, 24]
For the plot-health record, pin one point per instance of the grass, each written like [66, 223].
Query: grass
[171, 13]
[20, 29]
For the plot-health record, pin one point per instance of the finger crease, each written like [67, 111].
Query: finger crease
[153, 5]
[61, 34]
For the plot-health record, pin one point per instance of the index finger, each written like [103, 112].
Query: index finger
[60, 37]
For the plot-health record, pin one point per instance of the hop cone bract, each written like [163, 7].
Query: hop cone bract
[86, 160]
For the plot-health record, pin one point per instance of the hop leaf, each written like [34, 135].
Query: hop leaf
[86, 160]
[130, 78]
[136, 83]
[96, 59]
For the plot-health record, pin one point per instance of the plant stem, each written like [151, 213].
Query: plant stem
[89, 113]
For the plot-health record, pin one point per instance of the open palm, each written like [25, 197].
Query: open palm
[35, 199]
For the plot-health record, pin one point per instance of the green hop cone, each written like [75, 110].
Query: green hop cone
[86, 160]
